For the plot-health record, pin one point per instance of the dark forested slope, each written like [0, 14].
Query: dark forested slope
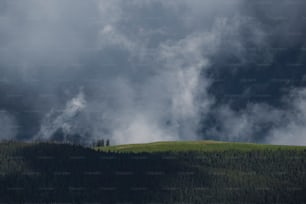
[39, 173]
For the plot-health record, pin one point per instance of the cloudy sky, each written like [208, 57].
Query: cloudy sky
[149, 70]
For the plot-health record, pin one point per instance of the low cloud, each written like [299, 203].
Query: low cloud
[8, 126]
[292, 130]
[142, 71]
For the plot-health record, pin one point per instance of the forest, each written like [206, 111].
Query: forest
[65, 173]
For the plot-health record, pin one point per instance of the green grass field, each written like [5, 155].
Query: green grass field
[203, 146]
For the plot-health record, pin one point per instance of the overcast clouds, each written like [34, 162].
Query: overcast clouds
[141, 71]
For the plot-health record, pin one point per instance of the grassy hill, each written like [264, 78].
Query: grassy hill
[199, 146]
[164, 172]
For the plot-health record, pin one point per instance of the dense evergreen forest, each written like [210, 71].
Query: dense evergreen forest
[62, 173]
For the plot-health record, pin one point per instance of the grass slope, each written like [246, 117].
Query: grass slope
[202, 146]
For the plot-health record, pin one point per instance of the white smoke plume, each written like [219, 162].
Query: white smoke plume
[64, 120]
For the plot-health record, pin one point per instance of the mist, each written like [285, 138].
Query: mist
[142, 71]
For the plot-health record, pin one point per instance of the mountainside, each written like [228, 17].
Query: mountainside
[167, 172]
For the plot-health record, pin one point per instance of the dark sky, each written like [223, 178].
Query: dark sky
[149, 70]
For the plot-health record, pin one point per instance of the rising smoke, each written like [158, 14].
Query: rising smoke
[141, 71]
